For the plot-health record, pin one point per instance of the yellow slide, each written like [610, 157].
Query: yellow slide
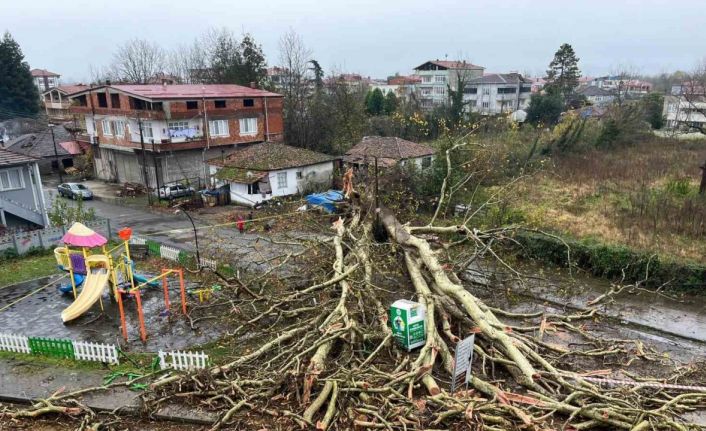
[96, 280]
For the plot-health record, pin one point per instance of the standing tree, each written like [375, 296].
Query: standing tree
[374, 101]
[318, 74]
[294, 59]
[18, 95]
[390, 105]
[138, 61]
[563, 74]
[254, 65]
[545, 109]
[652, 106]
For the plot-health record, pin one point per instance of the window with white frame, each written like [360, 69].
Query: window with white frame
[218, 127]
[147, 130]
[426, 91]
[439, 91]
[119, 128]
[248, 126]
[486, 91]
[426, 78]
[486, 104]
[11, 179]
[106, 128]
[439, 79]
[282, 180]
[178, 125]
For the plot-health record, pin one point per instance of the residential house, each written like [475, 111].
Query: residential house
[620, 83]
[57, 102]
[389, 151]
[537, 84]
[497, 93]
[259, 172]
[402, 86]
[51, 152]
[352, 81]
[436, 76]
[596, 95]
[44, 79]
[685, 108]
[22, 202]
[160, 134]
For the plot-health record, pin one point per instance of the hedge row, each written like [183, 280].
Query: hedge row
[611, 261]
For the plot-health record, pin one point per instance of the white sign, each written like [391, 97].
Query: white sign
[462, 362]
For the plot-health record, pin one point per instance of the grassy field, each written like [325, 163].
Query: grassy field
[643, 196]
[26, 268]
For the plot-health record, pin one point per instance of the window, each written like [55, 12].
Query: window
[439, 90]
[486, 104]
[486, 91]
[282, 180]
[115, 100]
[507, 90]
[11, 179]
[107, 131]
[102, 100]
[178, 125]
[300, 175]
[426, 162]
[470, 90]
[81, 100]
[426, 78]
[147, 130]
[218, 127]
[426, 91]
[253, 188]
[220, 103]
[119, 128]
[192, 104]
[248, 126]
[440, 79]
[248, 102]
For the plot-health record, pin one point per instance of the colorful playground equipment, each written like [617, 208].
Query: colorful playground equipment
[113, 269]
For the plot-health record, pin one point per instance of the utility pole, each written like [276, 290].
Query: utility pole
[144, 163]
[56, 153]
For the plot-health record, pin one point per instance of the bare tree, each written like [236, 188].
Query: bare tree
[137, 61]
[692, 100]
[189, 62]
[295, 59]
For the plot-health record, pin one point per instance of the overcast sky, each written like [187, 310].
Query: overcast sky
[375, 37]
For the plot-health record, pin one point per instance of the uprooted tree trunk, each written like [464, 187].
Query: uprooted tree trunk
[323, 356]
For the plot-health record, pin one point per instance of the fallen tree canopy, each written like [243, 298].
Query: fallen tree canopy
[322, 356]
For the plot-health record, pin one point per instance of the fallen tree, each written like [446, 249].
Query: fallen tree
[320, 355]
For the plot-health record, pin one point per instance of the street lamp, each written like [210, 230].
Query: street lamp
[196, 238]
[56, 153]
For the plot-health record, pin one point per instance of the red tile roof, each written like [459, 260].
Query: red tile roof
[8, 158]
[190, 91]
[42, 72]
[387, 148]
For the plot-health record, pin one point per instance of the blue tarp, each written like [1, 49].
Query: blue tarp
[326, 200]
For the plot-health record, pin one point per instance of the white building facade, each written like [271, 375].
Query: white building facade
[436, 78]
[498, 93]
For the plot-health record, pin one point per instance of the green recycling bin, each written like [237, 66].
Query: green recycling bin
[408, 320]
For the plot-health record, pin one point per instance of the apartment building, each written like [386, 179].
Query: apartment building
[437, 76]
[44, 79]
[158, 134]
[497, 93]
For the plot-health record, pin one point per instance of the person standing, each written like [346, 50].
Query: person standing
[240, 223]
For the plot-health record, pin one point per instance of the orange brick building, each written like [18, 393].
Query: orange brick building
[173, 129]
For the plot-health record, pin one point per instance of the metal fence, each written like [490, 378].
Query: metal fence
[22, 242]
[55, 347]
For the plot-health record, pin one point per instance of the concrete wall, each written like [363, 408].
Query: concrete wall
[46, 238]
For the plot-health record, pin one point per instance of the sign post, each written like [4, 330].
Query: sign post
[462, 362]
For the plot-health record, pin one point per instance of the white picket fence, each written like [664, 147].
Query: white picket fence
[172, 253]
[14, 343]
[97, 352]
[169, 253]
[183, 360]
[209, 263]
[138, 240]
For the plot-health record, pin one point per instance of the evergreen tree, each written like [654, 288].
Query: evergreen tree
[563, 74]
[545, 109]
[318, 75]
[233, 62]
[254, 65]
[652, 107]
[390, 104]
[18, 95]
[374, 102]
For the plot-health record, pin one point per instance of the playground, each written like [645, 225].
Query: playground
[101, 294]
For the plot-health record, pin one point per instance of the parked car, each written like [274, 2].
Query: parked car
[74, 190]
[175, 191]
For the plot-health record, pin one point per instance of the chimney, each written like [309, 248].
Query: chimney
[253, 84]
[107, 82]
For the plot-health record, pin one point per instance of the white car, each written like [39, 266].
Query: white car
[175, 191]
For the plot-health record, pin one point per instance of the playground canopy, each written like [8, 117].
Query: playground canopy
[81, 236]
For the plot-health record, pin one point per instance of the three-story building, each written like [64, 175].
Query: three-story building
[159, 134]
[497, 93]
[437, 76]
